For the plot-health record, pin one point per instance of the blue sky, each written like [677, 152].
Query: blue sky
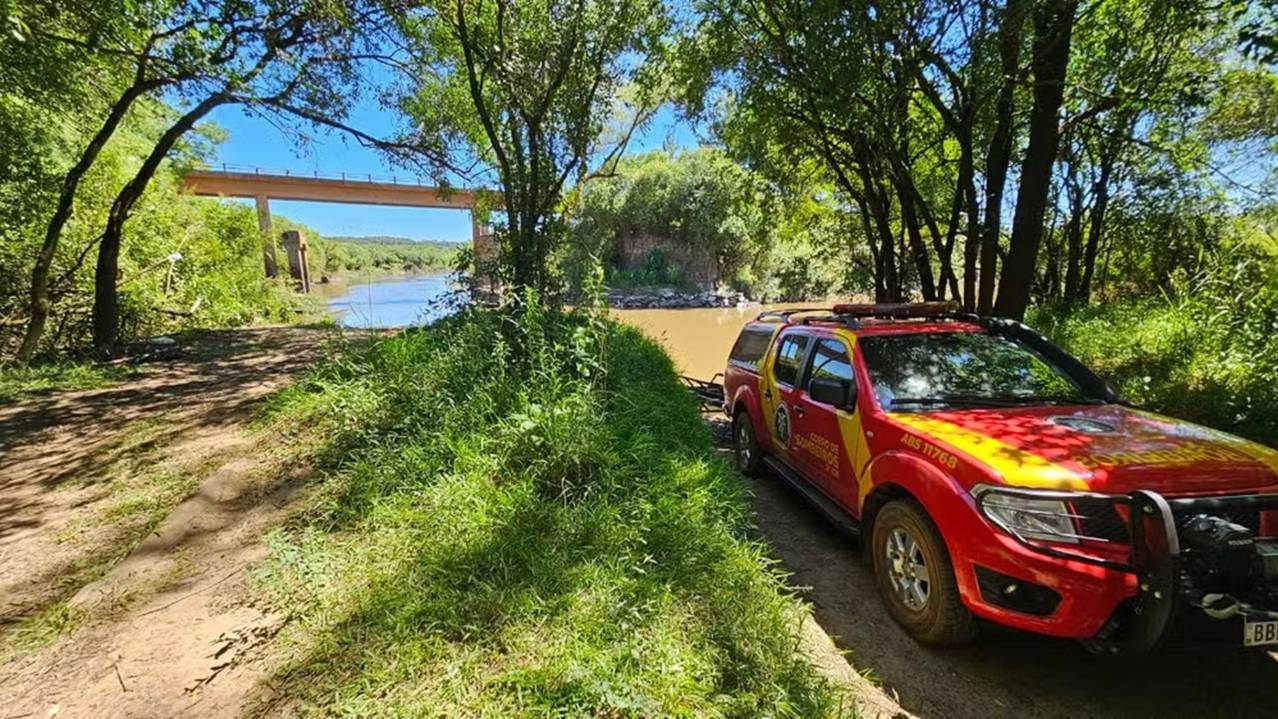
[253, 141]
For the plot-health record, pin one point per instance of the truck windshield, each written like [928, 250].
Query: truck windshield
[917, 372]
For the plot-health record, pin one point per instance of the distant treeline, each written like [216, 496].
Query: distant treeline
[332, 255]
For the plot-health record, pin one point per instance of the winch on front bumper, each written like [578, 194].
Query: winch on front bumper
[1200, 552]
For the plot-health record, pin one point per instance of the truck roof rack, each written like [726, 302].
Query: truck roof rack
[849, 313]
[785, 315]
[896, 310]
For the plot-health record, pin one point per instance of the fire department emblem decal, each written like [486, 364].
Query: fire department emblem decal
[781, 420]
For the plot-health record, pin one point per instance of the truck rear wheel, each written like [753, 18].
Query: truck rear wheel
[916, 578]
[745, 446]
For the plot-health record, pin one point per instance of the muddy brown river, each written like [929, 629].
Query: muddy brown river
[697, 339]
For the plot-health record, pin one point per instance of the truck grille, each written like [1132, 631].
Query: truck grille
[1099, 519]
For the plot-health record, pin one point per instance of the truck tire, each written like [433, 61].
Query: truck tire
[745, 446]
[916, 578]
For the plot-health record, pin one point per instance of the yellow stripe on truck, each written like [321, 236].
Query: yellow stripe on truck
[1017, 467]
[853, 433]
[1258, 452]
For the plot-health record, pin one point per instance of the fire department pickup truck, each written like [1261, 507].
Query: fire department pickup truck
[991, 474]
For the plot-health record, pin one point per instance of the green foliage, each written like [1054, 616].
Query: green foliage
[902, 108]
[522, 516]
[220, 270]
[704, 207]
[703, 203]
[1203, 352]
[653, 270]
[332, 255]
[527, 89]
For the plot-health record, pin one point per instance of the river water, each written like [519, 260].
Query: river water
[698, 339]
[396, 301]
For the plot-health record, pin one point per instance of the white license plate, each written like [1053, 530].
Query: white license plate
[1258, 633]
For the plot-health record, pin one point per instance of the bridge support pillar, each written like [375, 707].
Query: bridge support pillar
[485, 250]
[295, 247]
[268, 239]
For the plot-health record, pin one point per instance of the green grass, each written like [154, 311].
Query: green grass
[535, 532]
[19, 382]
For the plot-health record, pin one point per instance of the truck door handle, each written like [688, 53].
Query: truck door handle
[767, 393]
[798, 410]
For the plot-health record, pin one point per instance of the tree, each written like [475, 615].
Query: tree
[1053, 28]
[68, 38]
[698, 204]
[1000, 152]
[884, 94]
[291, 57]
[1147, 86]
[175, 46]
[528, 88]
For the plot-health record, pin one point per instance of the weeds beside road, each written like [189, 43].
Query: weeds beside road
[1205, 353]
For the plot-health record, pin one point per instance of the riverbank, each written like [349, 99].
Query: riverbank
[673, 298]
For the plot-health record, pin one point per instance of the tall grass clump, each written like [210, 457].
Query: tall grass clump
[1204, 351]
[521, 514]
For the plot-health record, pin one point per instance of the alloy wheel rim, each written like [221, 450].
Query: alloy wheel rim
[907, 568]
[743, 445]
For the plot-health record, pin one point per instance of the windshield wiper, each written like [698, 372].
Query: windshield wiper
[971, 400]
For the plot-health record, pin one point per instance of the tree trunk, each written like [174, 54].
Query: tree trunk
[1000, 150]
[878, 204]
[918, 252]
[41, 305]
[880, 290]
[880, 211]
[1073, 239]
[964, 195]
[1053, 27]
[915, 214]
[1094, 233]
[106, 307]
[1051, 283]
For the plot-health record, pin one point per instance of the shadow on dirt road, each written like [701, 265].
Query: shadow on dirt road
[1004, 673]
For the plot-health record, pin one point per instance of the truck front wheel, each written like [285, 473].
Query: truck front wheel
[915, 576]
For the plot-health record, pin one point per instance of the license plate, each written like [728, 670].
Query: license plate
[1258, 633]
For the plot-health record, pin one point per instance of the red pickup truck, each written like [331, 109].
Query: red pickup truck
[993, 475]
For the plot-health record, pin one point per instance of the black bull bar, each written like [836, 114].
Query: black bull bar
[1155, 552]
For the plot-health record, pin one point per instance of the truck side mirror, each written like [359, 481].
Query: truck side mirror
[835, 392]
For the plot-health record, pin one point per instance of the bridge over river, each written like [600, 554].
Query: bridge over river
[265, 185]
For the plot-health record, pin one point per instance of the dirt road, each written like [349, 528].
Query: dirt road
[127, 518]
[1004, 674]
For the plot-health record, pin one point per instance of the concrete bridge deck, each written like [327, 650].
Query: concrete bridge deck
[215, 183]
[266, 186]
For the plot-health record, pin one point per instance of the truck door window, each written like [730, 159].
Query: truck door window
[789, 355]
[751, 345]
[830, 361]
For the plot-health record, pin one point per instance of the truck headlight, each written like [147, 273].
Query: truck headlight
[1048, 519]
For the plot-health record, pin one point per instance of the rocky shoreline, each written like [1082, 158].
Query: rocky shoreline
[666, 298]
